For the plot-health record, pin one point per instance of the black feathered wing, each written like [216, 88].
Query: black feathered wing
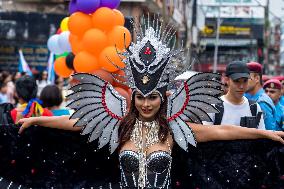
[98, 108]
[191, 103]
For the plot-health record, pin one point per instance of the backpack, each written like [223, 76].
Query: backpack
[253, 110]
[5, 115]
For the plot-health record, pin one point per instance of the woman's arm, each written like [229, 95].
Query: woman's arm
[57, 122]
[224, 132]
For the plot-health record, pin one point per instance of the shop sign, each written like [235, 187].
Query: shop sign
[234, 12]
[35, 55]
[227, 30]
[232, 2]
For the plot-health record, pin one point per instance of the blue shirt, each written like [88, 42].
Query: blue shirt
[60, 112]
[267, 106]
[3, 98]
[279, 116]
[281, 100]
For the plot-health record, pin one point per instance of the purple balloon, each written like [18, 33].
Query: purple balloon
[112, 4]
[88, 6]
[72, 6]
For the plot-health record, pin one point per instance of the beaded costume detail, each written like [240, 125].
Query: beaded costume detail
[158, 165]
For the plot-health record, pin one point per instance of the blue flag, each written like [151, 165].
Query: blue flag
[23, 65]
[50, 68]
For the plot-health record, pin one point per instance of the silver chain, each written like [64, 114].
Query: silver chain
[151, 138]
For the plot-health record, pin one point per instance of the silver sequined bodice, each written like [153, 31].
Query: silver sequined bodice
[158, 169]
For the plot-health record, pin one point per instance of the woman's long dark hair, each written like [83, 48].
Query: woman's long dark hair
[128, 122]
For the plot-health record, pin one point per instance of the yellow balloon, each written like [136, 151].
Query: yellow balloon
[64, 24]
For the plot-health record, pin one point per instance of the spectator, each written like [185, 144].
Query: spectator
[42, 82]
[256, 93]
[281, 79]
[16, 76]
[59, 82]
[272, 88]
[225, 84]
[51, 97]
[10, 89]
[26, 91]
[236, 109]
[3, 92]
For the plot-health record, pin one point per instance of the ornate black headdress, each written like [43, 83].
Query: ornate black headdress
[149, 61]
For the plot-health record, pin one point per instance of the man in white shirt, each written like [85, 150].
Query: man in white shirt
[237, 109]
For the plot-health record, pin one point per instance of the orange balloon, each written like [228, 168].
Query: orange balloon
[116, 37]
[79, 23]
[104, 19]
[104, 75]
[60, 67]
[125, 94]
[108, 57]
[85, 62]
[76, 43]
[119, 18]
[94, 41]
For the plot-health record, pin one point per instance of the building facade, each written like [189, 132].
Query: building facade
[27, 25]
[233, 30]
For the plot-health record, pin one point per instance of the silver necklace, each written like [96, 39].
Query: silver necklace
[151, 138]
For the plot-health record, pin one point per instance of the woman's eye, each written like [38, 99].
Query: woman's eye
[139, 97]
[153, 97]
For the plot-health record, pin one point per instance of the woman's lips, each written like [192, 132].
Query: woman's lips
[146, 111]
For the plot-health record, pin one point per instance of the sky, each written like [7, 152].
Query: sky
[277, 7]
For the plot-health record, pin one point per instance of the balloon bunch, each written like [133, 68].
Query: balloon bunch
[88, 41]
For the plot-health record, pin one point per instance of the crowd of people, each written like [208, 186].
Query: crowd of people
[249, 95]
[252, 88]
[33, 96]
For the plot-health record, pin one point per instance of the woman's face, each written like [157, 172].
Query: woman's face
[147, 106]
[44, 75]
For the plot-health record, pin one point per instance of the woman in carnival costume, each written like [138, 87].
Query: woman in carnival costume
[144, 135]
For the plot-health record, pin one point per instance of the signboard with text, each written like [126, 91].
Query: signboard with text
[234, 28]
[35, 55]
[234, 12]
[232, 2]
[28, 32]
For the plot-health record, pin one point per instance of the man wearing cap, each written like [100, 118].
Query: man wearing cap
[281, 79]
[255, 92]
[237, 109]
[273, 88]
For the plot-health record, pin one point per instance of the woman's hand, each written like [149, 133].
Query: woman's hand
[55, 122]
[229, 132]
[26, 123]
[275, 135]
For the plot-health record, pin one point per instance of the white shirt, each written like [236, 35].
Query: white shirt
[233, 113]
[40, 85]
